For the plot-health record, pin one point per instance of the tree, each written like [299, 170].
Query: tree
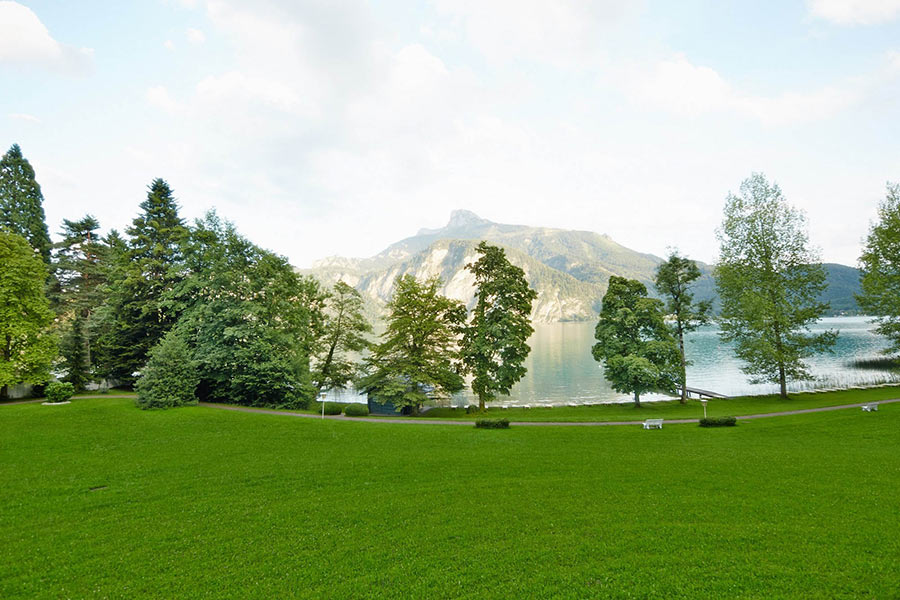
[673, 281]
[21, 202]
[416, 359]
[140, 313]
[27, 348]
[345, 330]
[637, 349]
[247, 316]
[494, 344]
[880, 269]
[72, 351]
[769, 281]
[170, 376]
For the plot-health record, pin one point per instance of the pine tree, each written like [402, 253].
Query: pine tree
[21, 202]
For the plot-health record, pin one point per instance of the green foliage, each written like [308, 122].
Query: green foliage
[57, 392]
[633, 341]
[769, 281]
[21, 202]
[674, 279]
[473, 409]
[345, 328]
[494, 346]
[880, 273]
[331, 408]
[170, 376]
[356, 410]
[74, 355]
[416, 358]
[247, 316]
[27, 348]
[492, 423]
[718, 422]
[140, 309]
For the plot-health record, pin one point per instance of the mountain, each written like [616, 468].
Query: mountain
[568, 269]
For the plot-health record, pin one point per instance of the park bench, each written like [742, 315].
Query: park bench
[870, 407]
[653, 424]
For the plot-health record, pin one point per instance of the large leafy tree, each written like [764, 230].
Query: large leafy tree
[22, 203]
[634, 344]
[27, 348]
[247, 316]
[345, 329]
[880, 269]
[416, 358]
[769, 281]
[152, 264]
[494, 344]
[673, 280]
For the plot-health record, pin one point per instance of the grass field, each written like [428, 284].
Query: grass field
[100, 499]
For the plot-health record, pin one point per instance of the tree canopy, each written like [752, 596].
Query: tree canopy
[673, 280]
[769, 280]
[494, 344]
[344, 332]
[637, 349]
[27, 348]
[22, 203]
[418, 353]
[880, 269]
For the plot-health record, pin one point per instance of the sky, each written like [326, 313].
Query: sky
[336, 127]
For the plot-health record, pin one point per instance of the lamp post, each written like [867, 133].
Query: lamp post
[322, 399]
[703, 401]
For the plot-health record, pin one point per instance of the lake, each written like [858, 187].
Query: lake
[561, 369]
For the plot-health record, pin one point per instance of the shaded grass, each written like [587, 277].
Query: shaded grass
[205, 503]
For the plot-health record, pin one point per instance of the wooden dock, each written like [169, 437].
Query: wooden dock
[702, 393]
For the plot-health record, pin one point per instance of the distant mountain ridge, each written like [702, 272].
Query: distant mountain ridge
[568, 269]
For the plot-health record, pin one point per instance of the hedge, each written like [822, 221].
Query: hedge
[718, 422]
[356, 410]
[492, 423]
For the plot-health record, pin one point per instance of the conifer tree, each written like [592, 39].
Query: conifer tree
[22, 203]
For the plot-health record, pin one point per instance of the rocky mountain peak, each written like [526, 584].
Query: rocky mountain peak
[460, 220]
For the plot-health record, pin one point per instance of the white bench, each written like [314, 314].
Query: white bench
[653, 424]
[870, 407]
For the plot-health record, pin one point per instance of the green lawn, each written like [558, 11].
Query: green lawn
[205, 503]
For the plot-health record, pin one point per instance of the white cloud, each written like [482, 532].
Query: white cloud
[195, 36]
[169, 45]
[24, 117]
[855, 12]
[679, 86]
[25, 40]
[159, 97]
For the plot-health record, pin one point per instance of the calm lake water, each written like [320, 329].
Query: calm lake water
[562, 371]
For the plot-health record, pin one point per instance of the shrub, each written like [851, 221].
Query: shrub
[356, 410]
[492, 423]
[718, 422]
[332, 408]
[59, 392]
[170, 376]
[472, 409]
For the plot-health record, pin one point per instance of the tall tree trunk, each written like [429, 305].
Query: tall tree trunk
[637, 400]
[480, 403]
[781, 380]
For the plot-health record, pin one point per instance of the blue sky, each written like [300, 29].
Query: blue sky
[340, 126]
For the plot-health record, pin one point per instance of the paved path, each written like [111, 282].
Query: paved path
[525, 423]
[34, 400]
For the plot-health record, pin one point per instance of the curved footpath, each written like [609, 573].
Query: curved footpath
[526, 423]
[287, 413]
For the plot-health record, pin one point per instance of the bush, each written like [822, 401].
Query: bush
[59, 392]
[170, 376]
[472, 409]
[356, 410]
[492, 423]
[718, 422]
[332, 408]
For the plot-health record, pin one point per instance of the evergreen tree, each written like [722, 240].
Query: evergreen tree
[673, 280]
[140, 311]
[73, 350]
[416, 358]
[345, 330]
[769, 282]
[27, 348]
[22, 203]
[880, 269]
[170, 376]
[633, 342]
[494, 344]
